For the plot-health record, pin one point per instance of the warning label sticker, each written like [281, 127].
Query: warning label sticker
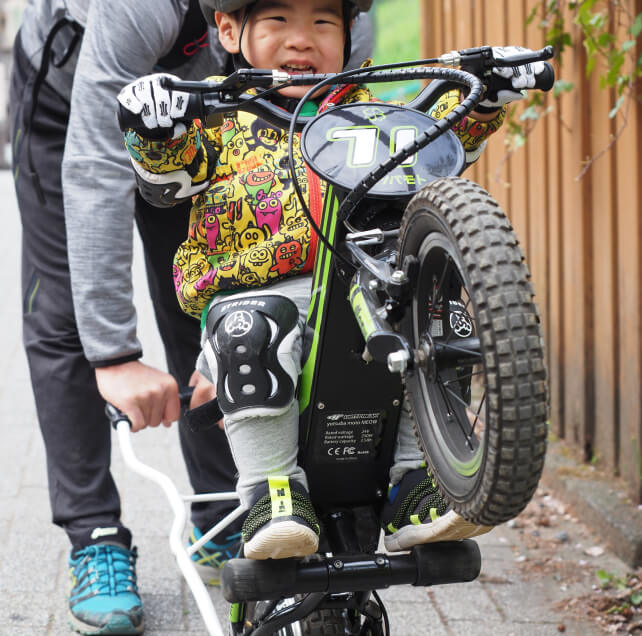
[348, 437]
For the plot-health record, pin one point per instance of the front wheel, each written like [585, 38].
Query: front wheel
[320, 622]
[478, 386]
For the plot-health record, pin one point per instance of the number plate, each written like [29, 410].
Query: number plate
[345, 143]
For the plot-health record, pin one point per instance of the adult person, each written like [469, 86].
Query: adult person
[76, 195]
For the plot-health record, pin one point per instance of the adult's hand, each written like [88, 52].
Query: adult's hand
[204, 391]
[146, 395]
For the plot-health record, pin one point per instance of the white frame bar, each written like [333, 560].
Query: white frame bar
[178, 502]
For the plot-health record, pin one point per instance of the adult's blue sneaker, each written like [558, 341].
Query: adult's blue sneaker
[212, 556]
[103, 598]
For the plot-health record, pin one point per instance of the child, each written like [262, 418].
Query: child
[249, 237]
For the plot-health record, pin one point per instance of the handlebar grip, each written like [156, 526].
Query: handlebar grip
[127, 119]
[115, 415]
[545, 80]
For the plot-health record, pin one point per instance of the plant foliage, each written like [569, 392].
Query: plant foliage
[610, 32]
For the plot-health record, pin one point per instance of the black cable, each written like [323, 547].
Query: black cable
[333, 80]
[384, 611]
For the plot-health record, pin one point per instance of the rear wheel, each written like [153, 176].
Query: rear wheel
[478, 388]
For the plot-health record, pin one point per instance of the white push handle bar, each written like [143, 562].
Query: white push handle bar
[176, 543]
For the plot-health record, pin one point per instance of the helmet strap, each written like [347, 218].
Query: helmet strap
[347, 18]
[239, 59]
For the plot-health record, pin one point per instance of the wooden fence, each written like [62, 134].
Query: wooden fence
[582, 237]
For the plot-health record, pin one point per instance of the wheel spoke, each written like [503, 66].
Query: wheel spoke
[436, 290]
[468, 376]
[479, 408]
[445, 345]
[446, 393]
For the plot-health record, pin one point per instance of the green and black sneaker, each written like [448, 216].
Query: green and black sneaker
[282, 523]
[416, 512]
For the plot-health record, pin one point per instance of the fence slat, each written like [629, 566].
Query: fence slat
[583, 239]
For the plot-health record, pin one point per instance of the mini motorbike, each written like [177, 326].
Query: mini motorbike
[420, 297]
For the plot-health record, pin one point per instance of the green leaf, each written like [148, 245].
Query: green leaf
[627, 46]
[530, 113]
[517, 141]
[531, 15]
[636, 598]
[636, 27]
[604, 577]
[604, 39]
[562, 86]
[618, 104]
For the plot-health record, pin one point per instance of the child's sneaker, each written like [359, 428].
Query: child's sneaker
[417, 513]
[103, 598]
[281, 523]
[211, 557]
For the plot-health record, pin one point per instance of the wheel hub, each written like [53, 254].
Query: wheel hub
[425, 358]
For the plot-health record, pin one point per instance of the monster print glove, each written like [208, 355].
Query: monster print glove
[157, 107]
[520, 77]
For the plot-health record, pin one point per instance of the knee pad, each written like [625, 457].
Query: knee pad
[251, 339]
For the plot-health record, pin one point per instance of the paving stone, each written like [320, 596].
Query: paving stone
[465, 601]
[507, 600]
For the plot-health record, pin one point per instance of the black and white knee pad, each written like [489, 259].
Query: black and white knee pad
[256, 343]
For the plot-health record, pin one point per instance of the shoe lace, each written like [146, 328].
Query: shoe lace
[418, 502]
[218, 554]
[105, 570]
[261, 513]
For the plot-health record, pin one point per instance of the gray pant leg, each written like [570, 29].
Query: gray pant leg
[408, 454]
[264, 441]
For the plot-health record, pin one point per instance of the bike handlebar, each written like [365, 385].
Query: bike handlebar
[210, 98]
[115, 415]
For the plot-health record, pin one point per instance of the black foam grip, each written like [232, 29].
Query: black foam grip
[203, 417]
[545, 80]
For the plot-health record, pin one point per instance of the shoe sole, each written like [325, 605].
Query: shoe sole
[449, 527]
[117, 625]
[282, 540]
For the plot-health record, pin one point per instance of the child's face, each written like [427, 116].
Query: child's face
[295, 36]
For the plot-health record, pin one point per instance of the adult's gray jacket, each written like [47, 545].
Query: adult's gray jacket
[123, 40]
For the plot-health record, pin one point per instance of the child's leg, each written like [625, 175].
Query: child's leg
[416, 512]
[252, 344]
[408, 455]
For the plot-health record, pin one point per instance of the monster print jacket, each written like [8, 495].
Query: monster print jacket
[247, 227]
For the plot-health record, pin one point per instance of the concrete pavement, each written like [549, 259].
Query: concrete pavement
[528, 568]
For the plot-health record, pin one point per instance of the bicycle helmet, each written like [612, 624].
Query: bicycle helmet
[350, 9]
[227, 6]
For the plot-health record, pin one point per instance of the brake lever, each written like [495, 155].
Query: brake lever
[233, 85]
[480, 60]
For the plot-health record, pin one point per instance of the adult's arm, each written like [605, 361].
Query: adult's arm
[122, 41]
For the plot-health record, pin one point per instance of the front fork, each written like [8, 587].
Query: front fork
[380, 296]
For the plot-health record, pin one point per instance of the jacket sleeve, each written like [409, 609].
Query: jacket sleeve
[122, 41]
[172, 170]
[473, 134]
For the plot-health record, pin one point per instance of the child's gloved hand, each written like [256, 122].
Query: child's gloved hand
[520, 77]
[158, 107]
